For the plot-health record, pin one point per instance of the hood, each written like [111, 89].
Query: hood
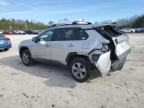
[26, 42]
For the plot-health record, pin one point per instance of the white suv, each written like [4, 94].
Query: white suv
[81, 46]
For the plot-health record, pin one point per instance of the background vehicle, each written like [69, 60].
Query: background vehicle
[128, 30]
[35, 31]
[5, 43]
[28, 32]
[140, 30]
[1, 32]
[8, 32]
[31, 31]
[79, 45]
[19, 32]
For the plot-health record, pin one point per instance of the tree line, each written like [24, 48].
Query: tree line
[12, 24]
[131, 22]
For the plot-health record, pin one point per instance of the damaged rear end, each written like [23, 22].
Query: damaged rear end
[113, 54]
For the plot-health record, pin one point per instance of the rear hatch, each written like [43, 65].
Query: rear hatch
[119, 44]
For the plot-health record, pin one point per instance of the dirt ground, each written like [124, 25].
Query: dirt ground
[46, 85]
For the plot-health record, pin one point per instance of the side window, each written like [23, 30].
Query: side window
[80, 35]
[47, 36]
[58, 35]
[69, 34]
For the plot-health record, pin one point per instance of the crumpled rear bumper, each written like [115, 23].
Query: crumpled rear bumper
[104, 63]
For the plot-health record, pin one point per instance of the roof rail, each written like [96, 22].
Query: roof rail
[81, 22]
[72, 23]
[56, 25]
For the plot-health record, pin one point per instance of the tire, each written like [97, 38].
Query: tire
[26, 58]
[6, 49]
[80, 69]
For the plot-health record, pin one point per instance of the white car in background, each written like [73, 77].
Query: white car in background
[128, 30]
[1, 32]
[19, 32]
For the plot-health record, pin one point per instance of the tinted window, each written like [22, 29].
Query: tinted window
[67, 34]
[58, 35]
[47, 35]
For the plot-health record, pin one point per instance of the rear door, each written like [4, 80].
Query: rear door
[66, 40]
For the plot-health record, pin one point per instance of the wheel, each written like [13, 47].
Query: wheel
[80, 69]
[6, 49]
[26, 58]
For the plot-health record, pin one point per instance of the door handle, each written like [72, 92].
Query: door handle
[71, 45]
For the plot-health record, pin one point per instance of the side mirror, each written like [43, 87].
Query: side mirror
[35, 39]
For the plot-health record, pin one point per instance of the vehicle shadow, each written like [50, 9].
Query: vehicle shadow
[57, 75]
[1, 50]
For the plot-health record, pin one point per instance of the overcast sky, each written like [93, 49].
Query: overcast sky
[91, 10]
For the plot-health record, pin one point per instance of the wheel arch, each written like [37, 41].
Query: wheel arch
[73, 55]
[23, 48]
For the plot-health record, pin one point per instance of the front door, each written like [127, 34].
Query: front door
[42, 48]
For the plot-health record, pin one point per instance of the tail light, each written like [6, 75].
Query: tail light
[7, 40]
[105, 48]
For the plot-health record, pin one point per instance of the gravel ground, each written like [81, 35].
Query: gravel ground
[46, 85]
